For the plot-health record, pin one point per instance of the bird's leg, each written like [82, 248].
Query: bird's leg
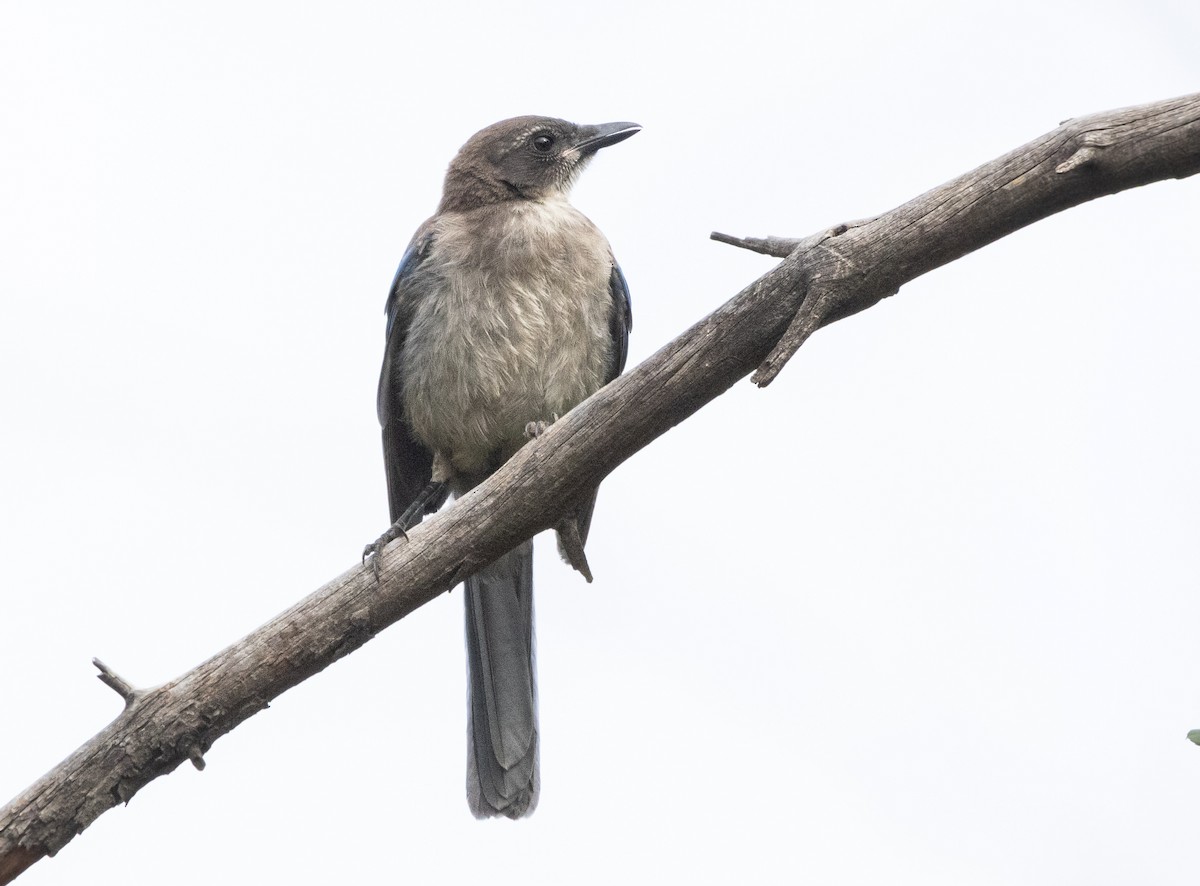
[432, 497]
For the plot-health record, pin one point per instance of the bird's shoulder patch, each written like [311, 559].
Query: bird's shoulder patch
[414, 255]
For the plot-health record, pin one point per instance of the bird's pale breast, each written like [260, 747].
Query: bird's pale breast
[513, 327]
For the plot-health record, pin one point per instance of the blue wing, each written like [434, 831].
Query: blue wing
[412, 257]
[620, 325]
[408, 463]
[622, 319]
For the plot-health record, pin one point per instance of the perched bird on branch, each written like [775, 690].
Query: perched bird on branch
[507, 310]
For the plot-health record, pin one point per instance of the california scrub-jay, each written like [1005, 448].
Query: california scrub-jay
[507, 310]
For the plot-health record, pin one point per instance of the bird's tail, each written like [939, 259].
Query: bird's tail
[502, 729]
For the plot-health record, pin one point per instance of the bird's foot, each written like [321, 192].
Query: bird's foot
[432, 497]
[535, 429]
[374, 550]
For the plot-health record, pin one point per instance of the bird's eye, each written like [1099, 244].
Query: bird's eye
[543, 142]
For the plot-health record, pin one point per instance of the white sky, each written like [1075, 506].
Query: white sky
[925, 611]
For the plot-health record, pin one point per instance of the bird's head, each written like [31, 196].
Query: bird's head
[525, 158]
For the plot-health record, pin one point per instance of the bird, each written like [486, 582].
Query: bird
[506, 311]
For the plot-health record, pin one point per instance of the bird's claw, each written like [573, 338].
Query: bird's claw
[432, 497]
[374, 551]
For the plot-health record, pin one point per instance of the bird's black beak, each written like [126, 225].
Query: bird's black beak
[597, 137]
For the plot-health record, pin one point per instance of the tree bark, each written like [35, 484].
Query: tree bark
[823, 278]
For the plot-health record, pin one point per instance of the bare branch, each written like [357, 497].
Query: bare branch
[825, 277]
[1084, 158]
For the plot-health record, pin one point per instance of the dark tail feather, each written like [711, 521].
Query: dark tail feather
[583, 522]
[583, 516]
[502, 730]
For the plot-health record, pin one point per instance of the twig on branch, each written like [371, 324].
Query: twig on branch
[831, 275]
[115, 682]
[780, 247]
